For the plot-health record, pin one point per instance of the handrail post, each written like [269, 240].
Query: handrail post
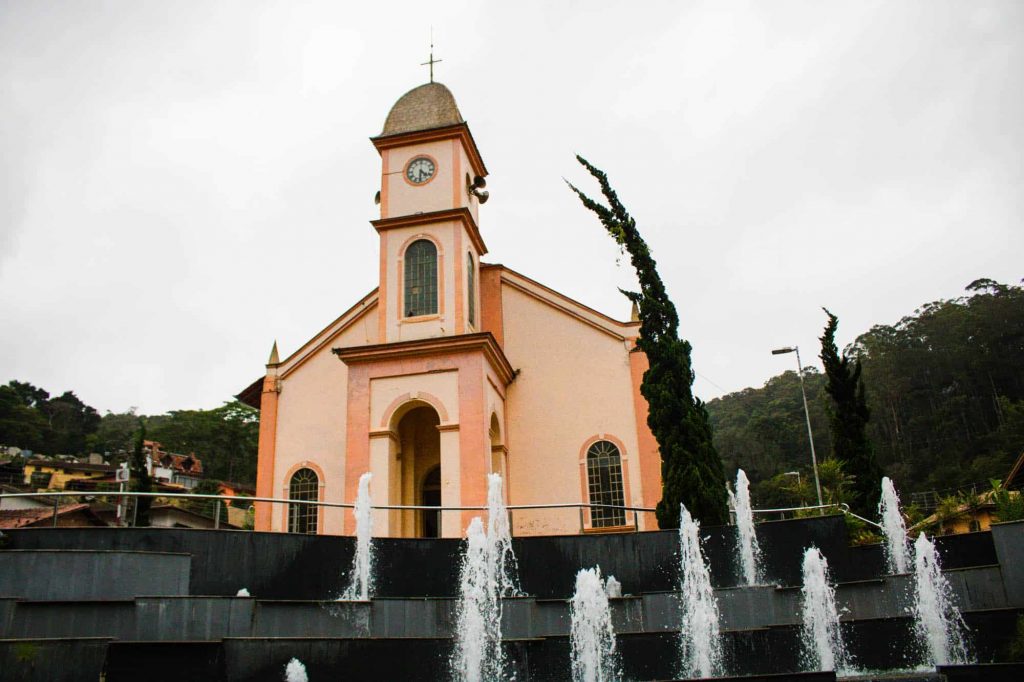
[216, 514]
[582, 527]
[56, 501]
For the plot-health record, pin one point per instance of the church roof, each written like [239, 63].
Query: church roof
[431, 105]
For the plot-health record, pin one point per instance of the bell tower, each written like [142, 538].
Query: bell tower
[432, 180]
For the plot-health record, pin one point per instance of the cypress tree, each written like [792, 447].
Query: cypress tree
[848, 415]
[691, 471]
[141, 481]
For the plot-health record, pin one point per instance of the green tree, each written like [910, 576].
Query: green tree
[691, 471]
[848, 419]
[21, 424]
[32, 396]
[116, 433]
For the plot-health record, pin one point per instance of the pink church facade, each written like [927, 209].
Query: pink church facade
[452, 369]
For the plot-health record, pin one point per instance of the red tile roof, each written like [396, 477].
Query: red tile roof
[18, 518]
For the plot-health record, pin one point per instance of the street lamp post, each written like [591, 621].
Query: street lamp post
[807, 413]
[793, 473]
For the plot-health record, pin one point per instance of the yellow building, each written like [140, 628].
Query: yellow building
[42, 474]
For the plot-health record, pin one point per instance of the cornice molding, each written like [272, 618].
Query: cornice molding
[461, 213]
[444, 345]
[459, 130]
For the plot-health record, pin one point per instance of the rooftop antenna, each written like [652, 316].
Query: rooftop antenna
[432, 60]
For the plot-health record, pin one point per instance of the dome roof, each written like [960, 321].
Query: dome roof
[429, 106]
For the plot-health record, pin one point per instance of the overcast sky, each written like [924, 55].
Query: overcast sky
[183, 182]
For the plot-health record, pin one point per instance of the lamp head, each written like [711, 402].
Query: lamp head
[783, 351]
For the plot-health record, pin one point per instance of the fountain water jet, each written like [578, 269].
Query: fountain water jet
[488, 573]
[360, 586]
[294, 671]
[938, 624]
[500, 557]
[823, 647]
[592, 637]
[897, 553]
[478, 656]
[700, 642]
[749, 550]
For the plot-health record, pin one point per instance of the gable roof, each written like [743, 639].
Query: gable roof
[569, 306]
[253, 393]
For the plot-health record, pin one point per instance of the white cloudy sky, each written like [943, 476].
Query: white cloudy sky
[183, 182]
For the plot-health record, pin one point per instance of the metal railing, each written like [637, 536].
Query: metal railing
[581, 506]
[841, 507]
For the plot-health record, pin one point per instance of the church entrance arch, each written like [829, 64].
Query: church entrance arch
[419, 477]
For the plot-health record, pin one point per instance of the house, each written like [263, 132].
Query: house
[68, 515]
[8, 503]
[55, 474]
[450, 369]
[169, 467]
[238, 513]
[163, 515]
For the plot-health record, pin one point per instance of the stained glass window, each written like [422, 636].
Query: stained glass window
[302, 518]
[604, 480]
[421, 278]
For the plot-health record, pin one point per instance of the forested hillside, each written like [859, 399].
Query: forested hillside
[224, 438]
[945, 386]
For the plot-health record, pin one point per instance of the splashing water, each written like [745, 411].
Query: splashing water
[295, 671]
[489, 572]
[592, 637]
[700, 644]
[749, 550]
[823, 647]
[940, 628]
[501, 560]
[360, 586]
[897, 553]
[613, 588]
[478, 655]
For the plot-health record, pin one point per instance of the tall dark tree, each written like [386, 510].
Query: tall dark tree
[32, 396]
[116, 433]
[70, 421]
[848, 415]
[141, 480]
[21, 424]
[691, 471]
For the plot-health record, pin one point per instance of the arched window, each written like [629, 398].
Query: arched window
[471, 288]
[421, 278]
[302, 518]
[604, 480]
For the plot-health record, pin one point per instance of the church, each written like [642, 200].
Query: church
[452, 368]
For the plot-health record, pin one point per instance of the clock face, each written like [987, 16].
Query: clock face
[420, 170]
